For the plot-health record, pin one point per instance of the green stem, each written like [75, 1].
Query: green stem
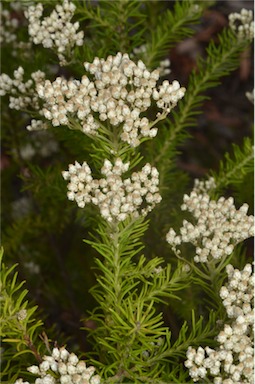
[223, 181]
[207, 78]
[116, 264]
[162, 39]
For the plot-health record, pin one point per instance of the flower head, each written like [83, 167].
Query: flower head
[119, 93]
[115, 197]
[218, 226]
[64, 368]
[242, 24]
[232, 360]
[55, 31]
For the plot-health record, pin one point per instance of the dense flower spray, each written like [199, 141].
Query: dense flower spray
[232, 362]
[55, 31]
[115, 197]
[62, 367]
[119, 94]
[218, 226]
[242, 24]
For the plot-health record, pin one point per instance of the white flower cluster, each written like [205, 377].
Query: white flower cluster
[55, 31]
[41, 143]
[21, 315]
[23, 94]
[233, 361]
[8, 28]
[237, 296]
[121, 91]
[153, 348]
[250, 96]
[116, 198]
[17, 6]
[11, 21]
[32, 268]
[37, 125]
[219, 226]
[20, 207]
[62, 367]
[242, 24]
[164, 65]
[201, 186]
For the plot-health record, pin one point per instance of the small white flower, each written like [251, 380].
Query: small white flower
[23, 95]
[22, 314]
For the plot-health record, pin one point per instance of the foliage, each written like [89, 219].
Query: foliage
[133, 325]
[235, 168]
[172, 26]
[19, 327]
